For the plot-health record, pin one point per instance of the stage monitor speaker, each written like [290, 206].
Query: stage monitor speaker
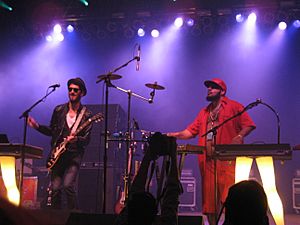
[91, 219]
[109, 219]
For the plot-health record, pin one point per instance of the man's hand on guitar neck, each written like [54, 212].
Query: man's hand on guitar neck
[71, 139]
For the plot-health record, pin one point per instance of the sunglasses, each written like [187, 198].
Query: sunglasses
[74, 89]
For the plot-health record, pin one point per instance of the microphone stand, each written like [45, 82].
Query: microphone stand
[25, 115]
[214, 132]
[277, 118]
[108, 84]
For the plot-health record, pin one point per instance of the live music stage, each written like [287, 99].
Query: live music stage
[163, 74]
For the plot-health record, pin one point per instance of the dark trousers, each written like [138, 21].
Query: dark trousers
[63, 180]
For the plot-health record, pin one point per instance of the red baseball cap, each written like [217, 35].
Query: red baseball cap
[216, 81]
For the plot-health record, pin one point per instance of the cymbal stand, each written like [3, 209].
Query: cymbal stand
[25, 115]
[129, 137]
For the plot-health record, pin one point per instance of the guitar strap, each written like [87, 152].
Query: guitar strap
[79, 118]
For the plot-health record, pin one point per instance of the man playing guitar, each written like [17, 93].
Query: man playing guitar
[64, 122]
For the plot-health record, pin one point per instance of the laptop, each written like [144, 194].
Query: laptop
[3, 138]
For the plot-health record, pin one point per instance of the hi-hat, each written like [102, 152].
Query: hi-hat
[109, 76]
[155, 86]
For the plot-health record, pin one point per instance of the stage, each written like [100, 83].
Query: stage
[60, 217]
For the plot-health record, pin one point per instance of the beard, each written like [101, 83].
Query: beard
[213, 98]
[74, 98]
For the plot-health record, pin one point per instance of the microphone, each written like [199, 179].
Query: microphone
[253, 104]
[138, 59]
[54, 86]
[258, 100]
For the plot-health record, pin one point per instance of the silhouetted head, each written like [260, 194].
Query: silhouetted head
[142, 208]
[246, 204]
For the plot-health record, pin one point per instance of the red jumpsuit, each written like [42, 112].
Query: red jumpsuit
[225, 134]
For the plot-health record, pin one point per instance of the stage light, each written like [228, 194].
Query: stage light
[190, 22]
[178, 22]
[239, 18]
[155, 33]
[141, 32]
[282, 25]
[296, 23]
[252, 18]
[5, 6]
[58, 37]
[57, 29]
[70, 28]
[84, 2]
[49, 38]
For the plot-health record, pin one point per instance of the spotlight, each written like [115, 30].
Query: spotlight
[70, 28]
[58, 37]
[296, 23]
[252, 18]
[49, 38]
[239, 18]
[190, 22]
[155, 33]
[282, 25]
[5, 6]
[141, 32]
[84, 2]
[57, 29]
[178, 22]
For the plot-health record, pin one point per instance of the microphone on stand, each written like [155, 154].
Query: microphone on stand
[54, 86]
[251, 105]
[138, 59]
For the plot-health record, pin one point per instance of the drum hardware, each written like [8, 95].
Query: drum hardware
[107, 79]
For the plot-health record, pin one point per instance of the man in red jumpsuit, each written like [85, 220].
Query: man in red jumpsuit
[232, 132]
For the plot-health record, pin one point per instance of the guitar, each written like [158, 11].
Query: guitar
[61, 148]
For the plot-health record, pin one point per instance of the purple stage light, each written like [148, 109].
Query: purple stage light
[155, 33]
[239, 18]
[58, 37]
[282, 25]
[252, 18]
[49, 38]
[190, 22]
[141, 32]
[70, 28]
[57, 28]
[296, 23]
[178, 22]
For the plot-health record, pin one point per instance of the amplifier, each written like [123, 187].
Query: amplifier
[296, 194]
[188, 198]
[29, 194]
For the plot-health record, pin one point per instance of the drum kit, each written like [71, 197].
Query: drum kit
[127, 138]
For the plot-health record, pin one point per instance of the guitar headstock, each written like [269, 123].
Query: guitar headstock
[97, 117]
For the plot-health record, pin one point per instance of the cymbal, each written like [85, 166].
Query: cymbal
[109, 76]
[155, 86]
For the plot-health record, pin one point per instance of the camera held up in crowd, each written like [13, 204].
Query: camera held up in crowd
[161, 145]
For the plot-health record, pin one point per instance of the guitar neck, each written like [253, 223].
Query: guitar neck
[80, 128]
